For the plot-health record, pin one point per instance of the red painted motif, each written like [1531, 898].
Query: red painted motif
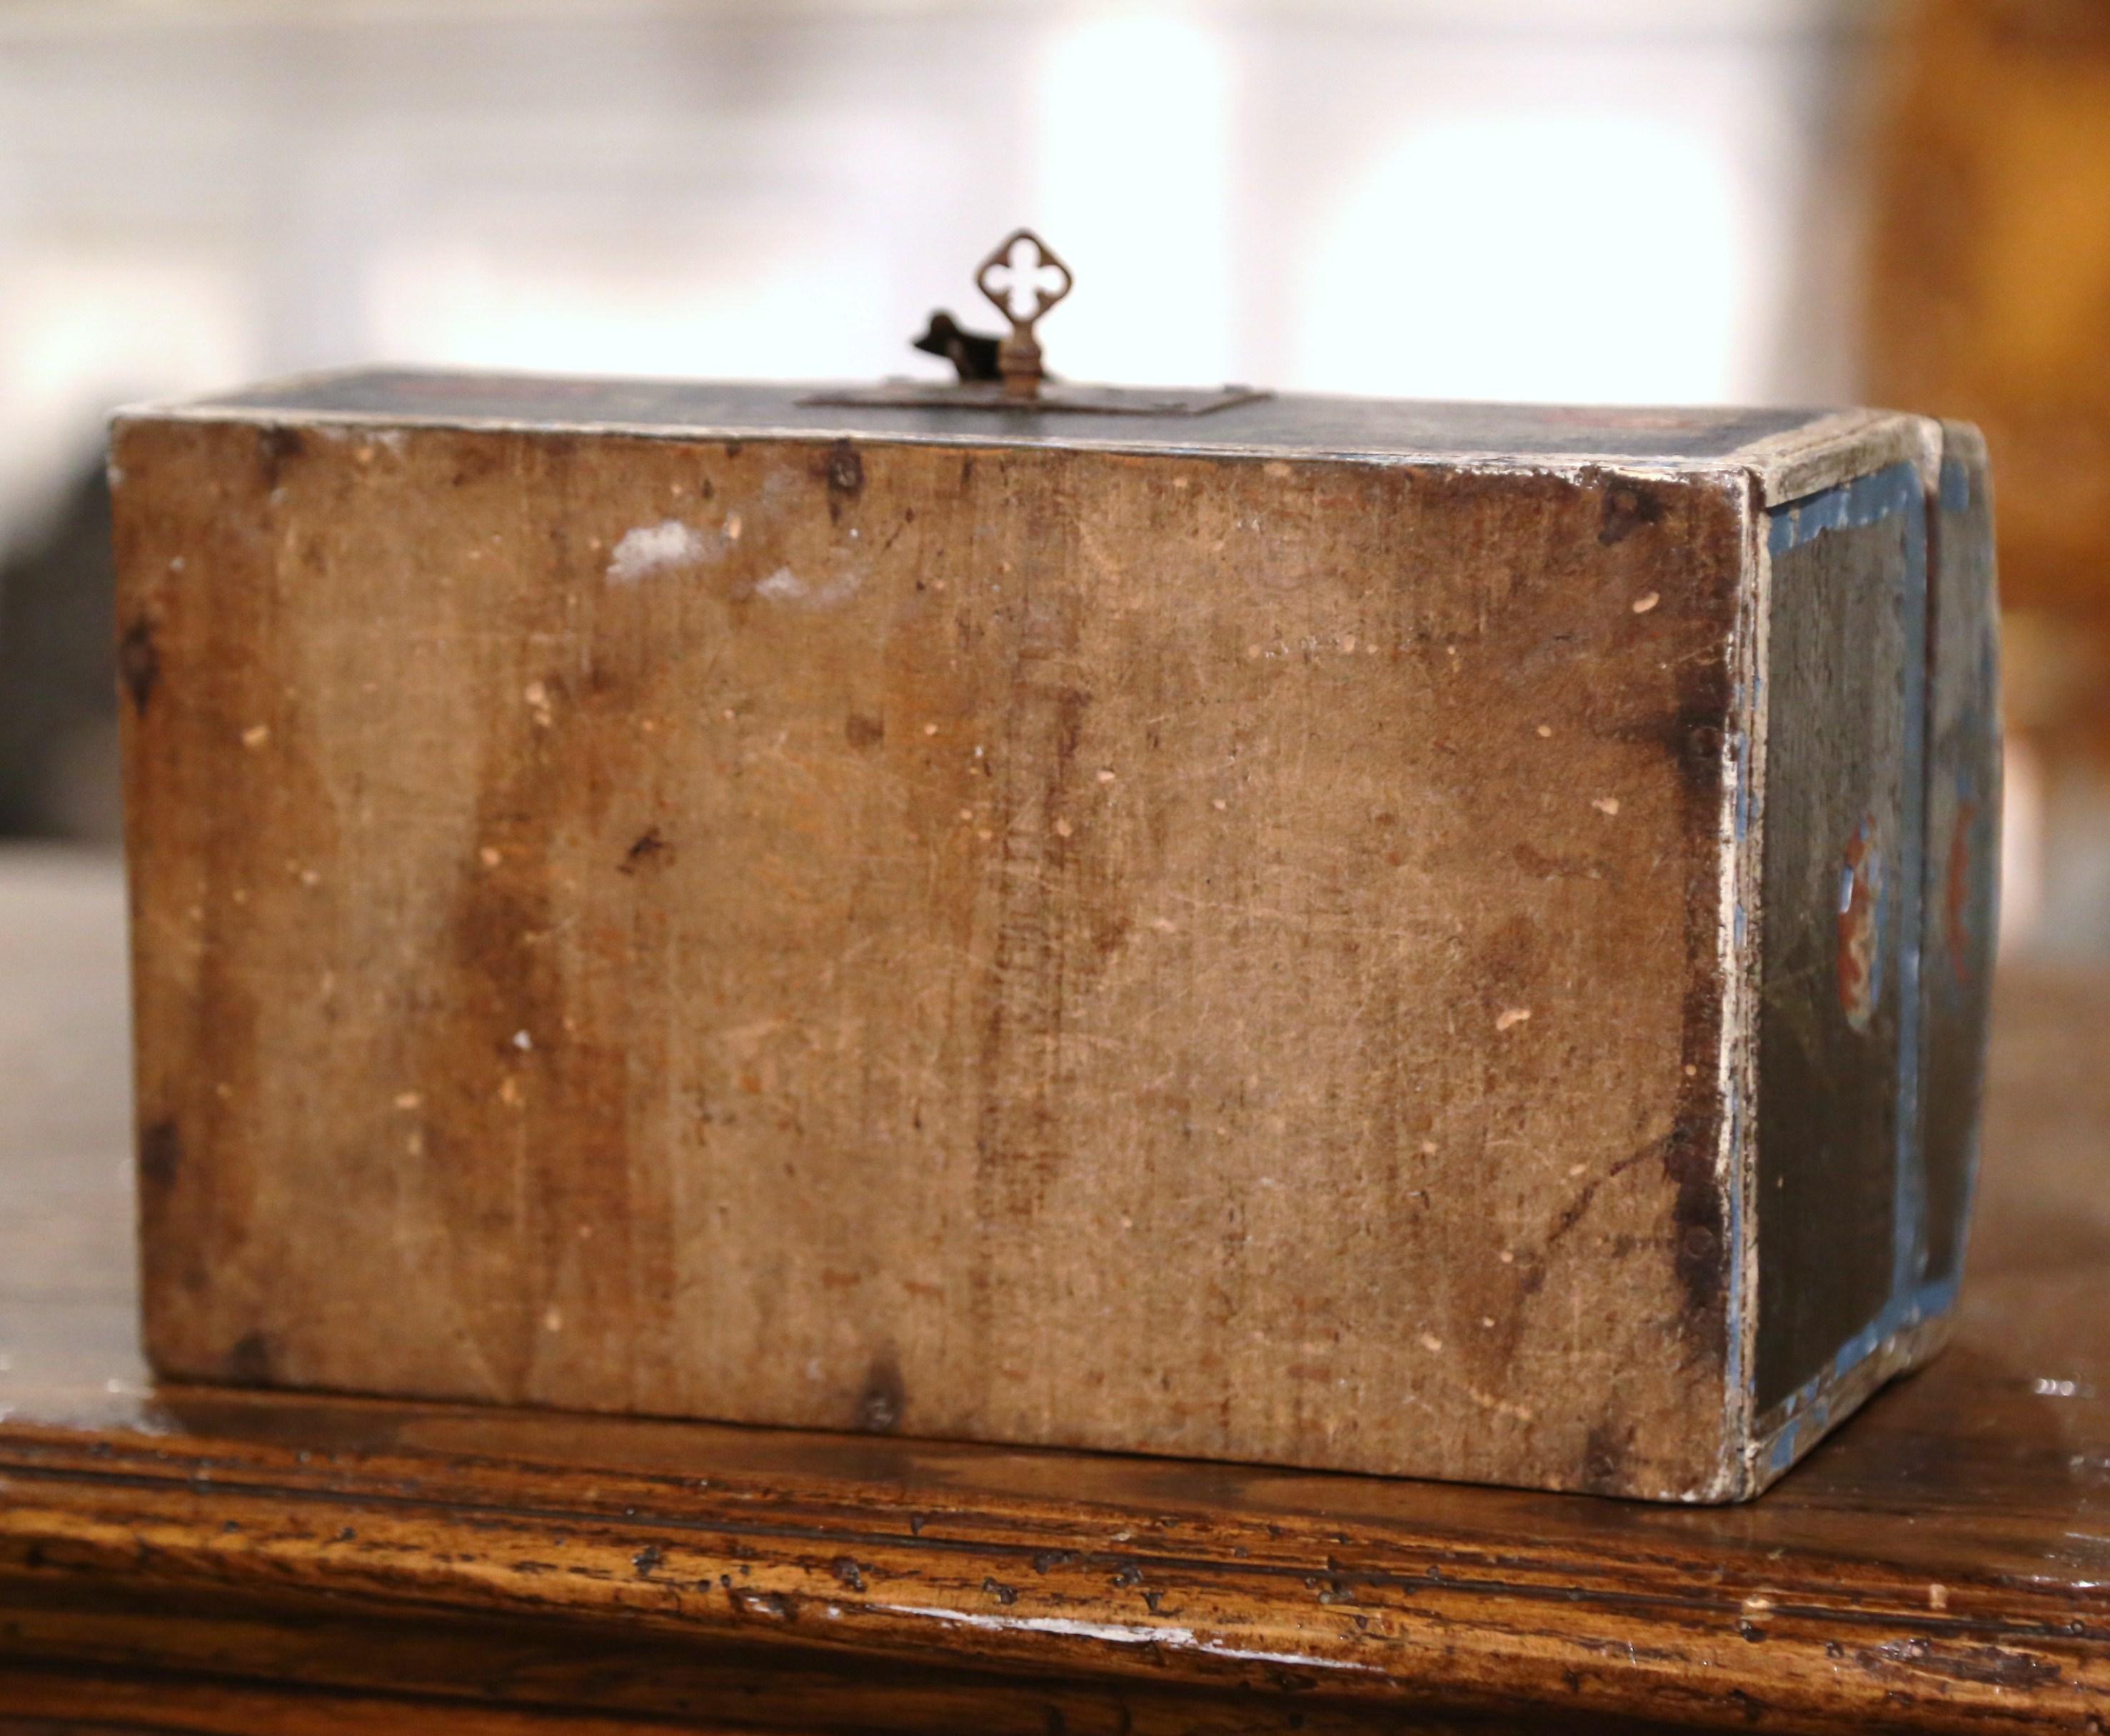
[1860, 930]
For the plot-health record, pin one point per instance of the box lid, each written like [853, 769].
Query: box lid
[1288, 425]
[1786, 453]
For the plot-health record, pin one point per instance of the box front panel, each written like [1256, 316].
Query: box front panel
[1204, 955]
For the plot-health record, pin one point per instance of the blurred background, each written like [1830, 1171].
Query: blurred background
[1761, 202]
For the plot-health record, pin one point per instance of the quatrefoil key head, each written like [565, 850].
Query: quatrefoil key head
[1022, 266]
[1023, 262]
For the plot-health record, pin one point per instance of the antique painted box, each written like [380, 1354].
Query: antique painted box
[1439, 940]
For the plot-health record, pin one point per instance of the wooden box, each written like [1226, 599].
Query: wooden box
[1437, 940]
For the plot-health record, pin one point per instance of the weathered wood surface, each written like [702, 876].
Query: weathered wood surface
[980, 936]
[209, 1560]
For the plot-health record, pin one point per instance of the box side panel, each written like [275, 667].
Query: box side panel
[1840, 1199]
[1964, 846]
[1197, 955]
[199, 612]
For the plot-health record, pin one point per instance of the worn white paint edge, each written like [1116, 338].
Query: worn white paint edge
[1835, 448]
[1931, 443]
[1742, 953]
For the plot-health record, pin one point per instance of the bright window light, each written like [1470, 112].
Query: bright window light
[628, 311]
[1590, 257]
[1132, 188]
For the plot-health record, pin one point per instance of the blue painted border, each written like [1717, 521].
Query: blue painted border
[1895, 492]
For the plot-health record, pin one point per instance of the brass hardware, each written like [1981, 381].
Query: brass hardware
[1018, 356]
[1006, 373]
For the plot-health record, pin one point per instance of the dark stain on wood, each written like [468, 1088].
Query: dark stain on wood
[884, 1402]
[161, 1155]
[845, 471]
[277, 446]
[251, 1361]
[1628, 507]
[138, 662]
[647, 849]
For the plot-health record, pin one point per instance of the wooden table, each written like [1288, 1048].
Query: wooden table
[208, 1560]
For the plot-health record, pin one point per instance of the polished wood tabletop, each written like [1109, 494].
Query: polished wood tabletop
[201, 1559]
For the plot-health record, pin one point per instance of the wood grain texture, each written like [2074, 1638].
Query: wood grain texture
[213, 1560]
[1139, 953]
[1196, 947]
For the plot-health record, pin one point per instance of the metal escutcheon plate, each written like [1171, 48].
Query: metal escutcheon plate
[1054, 398]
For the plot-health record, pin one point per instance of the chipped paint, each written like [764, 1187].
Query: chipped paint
[1742, 774]
[658, 548]
[784, 586]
